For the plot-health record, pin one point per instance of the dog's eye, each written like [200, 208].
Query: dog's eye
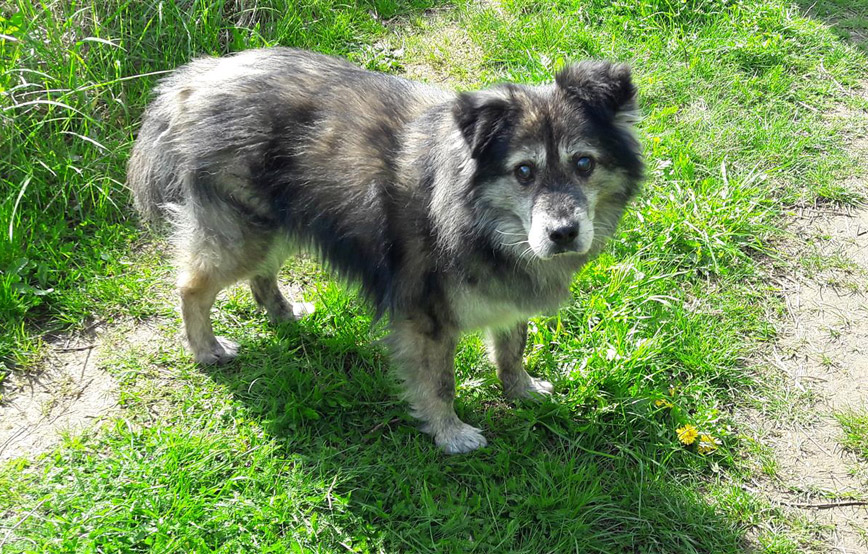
[524, 173]
[585, 165]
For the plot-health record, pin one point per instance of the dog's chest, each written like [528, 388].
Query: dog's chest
[498, 304]
[475, 311]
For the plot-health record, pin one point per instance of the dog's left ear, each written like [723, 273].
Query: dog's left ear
[482, 117]
[604, 88]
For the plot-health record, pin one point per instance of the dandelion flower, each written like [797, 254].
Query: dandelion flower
[687, 434]
[707, 444]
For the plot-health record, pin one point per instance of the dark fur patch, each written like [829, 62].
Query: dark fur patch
[621, 150]
[446, 386]
[602, 87]
[482, 119]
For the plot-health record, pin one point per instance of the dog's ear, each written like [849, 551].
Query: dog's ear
[482, 117]
[603, 88]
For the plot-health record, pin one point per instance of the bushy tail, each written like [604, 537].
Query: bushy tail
[152, 171]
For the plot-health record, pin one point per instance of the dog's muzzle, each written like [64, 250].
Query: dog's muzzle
[554, 236]
[563, 236]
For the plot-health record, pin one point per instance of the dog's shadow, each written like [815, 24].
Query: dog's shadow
[322, 391]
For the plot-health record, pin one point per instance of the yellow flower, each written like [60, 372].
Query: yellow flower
[687, 434]
[662, 402]
[656, 140]
[707, 444]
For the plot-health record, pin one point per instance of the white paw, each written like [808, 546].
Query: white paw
[301, 309]
[459, 439]
[539, 387]
[221, 352]
[532, 389]
[289, 311]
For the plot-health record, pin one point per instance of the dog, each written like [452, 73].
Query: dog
[452, 211]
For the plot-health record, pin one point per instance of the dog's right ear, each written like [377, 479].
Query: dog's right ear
[604, 88]
[481, 117]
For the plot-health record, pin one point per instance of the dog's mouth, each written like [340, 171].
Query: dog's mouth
[556, 251]
[564, 251]
[546, 248]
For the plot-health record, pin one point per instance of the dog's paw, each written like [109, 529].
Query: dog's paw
[279, 313]
[289, 311]
[539, 387]
[221, 352]
[459, 439]
[531, 389]
[301, 309]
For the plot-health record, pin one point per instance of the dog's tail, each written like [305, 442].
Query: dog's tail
[153, 168]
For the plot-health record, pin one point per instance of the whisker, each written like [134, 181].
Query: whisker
[527, 257]
[507, 233]
[520, 257]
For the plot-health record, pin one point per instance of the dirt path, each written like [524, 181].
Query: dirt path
[69, 394]
[822, 353]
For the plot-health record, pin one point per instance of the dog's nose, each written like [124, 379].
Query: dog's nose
[564, 235]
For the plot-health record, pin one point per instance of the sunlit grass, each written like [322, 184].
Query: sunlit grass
[855, 424]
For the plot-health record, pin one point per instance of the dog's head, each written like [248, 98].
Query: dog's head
[556, 164]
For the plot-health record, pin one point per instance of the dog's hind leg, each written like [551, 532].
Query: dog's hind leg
[208, 262]
[198, 291]
[506, 349]
[267, 294]
[425, 362]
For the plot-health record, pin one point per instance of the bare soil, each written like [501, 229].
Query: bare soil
[822, 353]
[68, 394]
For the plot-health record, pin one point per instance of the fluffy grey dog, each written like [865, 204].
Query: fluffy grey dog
[451, 211]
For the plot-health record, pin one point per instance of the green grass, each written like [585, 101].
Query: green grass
[855, 424]
[301, 444]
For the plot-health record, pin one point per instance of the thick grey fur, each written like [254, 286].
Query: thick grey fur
[413, 192]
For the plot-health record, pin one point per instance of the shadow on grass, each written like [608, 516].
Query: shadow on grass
[553, 478]
[847, 18]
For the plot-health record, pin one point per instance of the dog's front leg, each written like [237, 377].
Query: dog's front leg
[506, 349]
[425, 362]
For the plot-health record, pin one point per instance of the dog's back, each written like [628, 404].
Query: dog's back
[262, 115]
[290, 141]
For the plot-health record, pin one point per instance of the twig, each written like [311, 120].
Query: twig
[84, 365]
[816, 506]
[379, 426]
[823, 505]
[76, 348]
[20, 521]
[14, 436]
